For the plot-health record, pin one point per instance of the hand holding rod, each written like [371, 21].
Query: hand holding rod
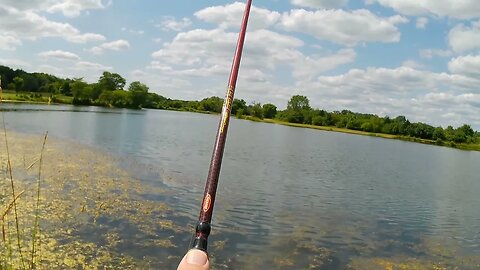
[202, 231]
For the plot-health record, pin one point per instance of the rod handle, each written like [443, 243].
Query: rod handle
[200, 238]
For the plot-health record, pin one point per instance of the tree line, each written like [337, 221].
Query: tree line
[299, 111]
[110, 90]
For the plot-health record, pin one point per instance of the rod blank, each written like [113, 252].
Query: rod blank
[202, 230]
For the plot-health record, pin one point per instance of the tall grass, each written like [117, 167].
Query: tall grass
[14, 196]
[36, 228]
[13, 240]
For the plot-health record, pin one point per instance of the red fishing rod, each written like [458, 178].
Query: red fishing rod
[202, 231]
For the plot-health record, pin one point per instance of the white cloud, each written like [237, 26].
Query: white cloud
[131, 31]
[73, 8]
[320, 3]
[230, 16]
[412, 64]
[306, 67]
[199, 54]
[90, 71]
[466, 65]
[70, 8]
[421, 22]
[27, 25]
[465, 9]
[462, 38]
[9, 43]
[91, 65]
[430, 53]
[208, 52]
[118, 45]
[59, 55]
[343, 27]
[14, 63]
[171, 24]
[400, 91]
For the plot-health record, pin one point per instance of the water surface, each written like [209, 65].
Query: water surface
[289, 197]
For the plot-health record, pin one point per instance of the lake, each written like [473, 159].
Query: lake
[288, 198]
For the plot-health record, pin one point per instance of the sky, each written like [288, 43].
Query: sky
[417, 58]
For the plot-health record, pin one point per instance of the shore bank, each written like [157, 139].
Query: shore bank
[461, 146]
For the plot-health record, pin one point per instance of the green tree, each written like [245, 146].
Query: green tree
[138, 94]
[154, 100]
[82, 92]
[117, 98]
[298, 103]
[467, 129]
[256, 110]
[240, 113]
[111, 82]
[211, 104]
[238, 104]
[65, 89]
[269, 111]
[18, 82]
[438, 134]
[450, 133]
[30, 83]
[291, 116]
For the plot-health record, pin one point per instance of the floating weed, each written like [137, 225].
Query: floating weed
[165, 243]
[283, 262]
[219, 245]
[395, 264]
[82, 191]
[93, 215]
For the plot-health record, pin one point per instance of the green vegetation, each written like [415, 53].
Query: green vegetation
[109, 91]
[53, 201]
[92, 213]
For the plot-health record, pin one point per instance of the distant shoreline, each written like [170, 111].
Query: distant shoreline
[460, 146]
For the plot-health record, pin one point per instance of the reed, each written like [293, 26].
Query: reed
[14, 250]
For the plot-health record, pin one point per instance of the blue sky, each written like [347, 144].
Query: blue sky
[418, 58]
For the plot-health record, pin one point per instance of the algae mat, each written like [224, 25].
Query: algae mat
[96, 214]
[92, 212]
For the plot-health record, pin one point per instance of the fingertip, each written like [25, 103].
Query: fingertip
[194, 260]
[197, 257]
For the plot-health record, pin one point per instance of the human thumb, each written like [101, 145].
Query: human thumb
[194, 260]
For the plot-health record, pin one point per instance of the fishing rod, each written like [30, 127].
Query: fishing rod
[202, 230]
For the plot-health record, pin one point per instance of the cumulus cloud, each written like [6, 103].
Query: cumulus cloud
[230, 16]
[430, 53]
[70, 8]
[421, 22]
[27, 25]
[89, 71]
[14, 63]
[118, 45]
[320, 3]
[59, 55]
[344, 27]
[91, 66]
[468, 65]
[131, 31]
[9, 43]
[208, 53]
[465, 9]
[171, 24]
[412, 64]
[73, 8]
[462, 38]
[399, 91]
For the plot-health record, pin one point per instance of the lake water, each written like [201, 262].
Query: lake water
[291, 198]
